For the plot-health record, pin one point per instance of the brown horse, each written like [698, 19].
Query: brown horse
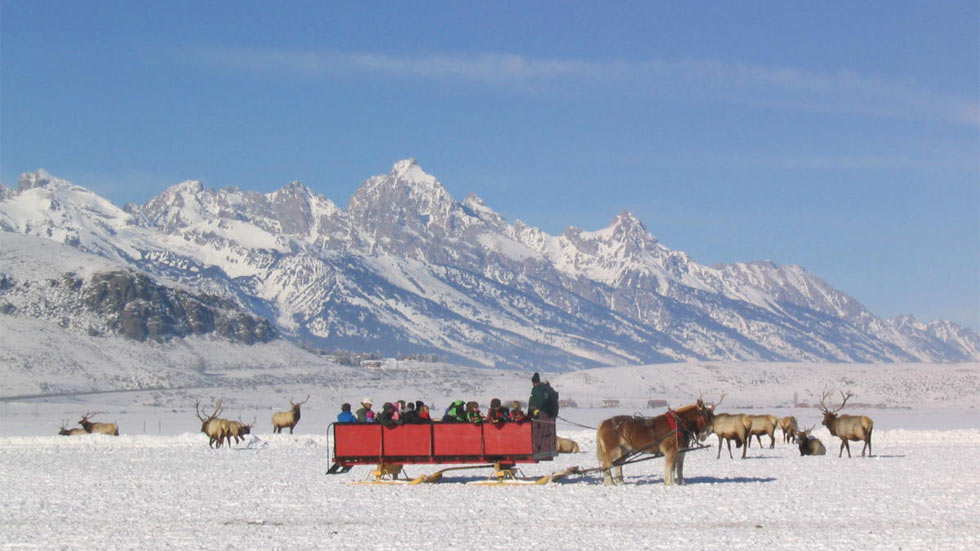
[666, 434]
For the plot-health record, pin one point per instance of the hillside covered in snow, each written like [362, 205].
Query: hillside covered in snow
[407, 269]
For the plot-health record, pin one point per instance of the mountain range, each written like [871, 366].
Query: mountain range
[405, 268]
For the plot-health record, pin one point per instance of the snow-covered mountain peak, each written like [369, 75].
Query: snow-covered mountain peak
[408, 169]
[407, 198]
[625, 228]
[30, 180]
[292, 191]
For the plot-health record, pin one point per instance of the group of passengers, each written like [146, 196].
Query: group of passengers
[392, 413]
[469, 412]
[415, 413]
[543, 403]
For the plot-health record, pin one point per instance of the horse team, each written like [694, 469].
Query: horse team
[620, 438]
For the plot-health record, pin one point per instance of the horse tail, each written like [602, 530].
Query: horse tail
[600, 445]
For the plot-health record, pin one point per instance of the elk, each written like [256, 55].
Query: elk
[567, 445]
[763, 424]
[730, 427]
[211, 425]
[65, 431]
[790, 428]
[283, 419]
[809, 445]
[847, 427]
[100, 428]
[238, 430]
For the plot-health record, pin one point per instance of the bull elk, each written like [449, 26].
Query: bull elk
[98, 428]
[763, 424]
[211, 425]
[790, 428]
[847, 427]
[730, 427]
[809, 445]
[283, 419]
[65, 431]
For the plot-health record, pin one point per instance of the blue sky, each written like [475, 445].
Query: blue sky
[841, 136]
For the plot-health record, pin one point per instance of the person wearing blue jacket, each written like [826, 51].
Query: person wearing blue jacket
[345, 415]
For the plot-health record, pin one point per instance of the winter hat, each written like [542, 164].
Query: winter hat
[535, 379]
[367, 402]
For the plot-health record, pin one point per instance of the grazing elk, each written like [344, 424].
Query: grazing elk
[790, 428]
[730, 426]
[238, 430]
[847, 427]
[809, 445]
[98, 428]
[763, 424]
[211, 425]
[567, 445]
[65, 431]
[283, 419]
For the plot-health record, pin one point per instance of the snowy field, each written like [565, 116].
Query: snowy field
[159, 486]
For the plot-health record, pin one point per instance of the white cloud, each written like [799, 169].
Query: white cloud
[775, 87]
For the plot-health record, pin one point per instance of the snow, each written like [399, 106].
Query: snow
[159, 486]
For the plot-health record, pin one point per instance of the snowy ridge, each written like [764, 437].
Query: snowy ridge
[406, 268]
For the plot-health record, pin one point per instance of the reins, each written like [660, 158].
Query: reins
[576, 424]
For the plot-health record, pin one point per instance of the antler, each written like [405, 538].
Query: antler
[827, 393]
[91, 414]
[200, 414]
[823, 398]
[301, 403]
[720, 399]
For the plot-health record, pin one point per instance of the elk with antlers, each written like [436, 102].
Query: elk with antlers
[809, 445]
[211, 425]
[730, 427]
[283, 419]
[847, 427]
[99, 428]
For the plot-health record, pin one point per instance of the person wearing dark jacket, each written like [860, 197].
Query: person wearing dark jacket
[387, 416]
[497, 414]
[409, 416]
[537, 404]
